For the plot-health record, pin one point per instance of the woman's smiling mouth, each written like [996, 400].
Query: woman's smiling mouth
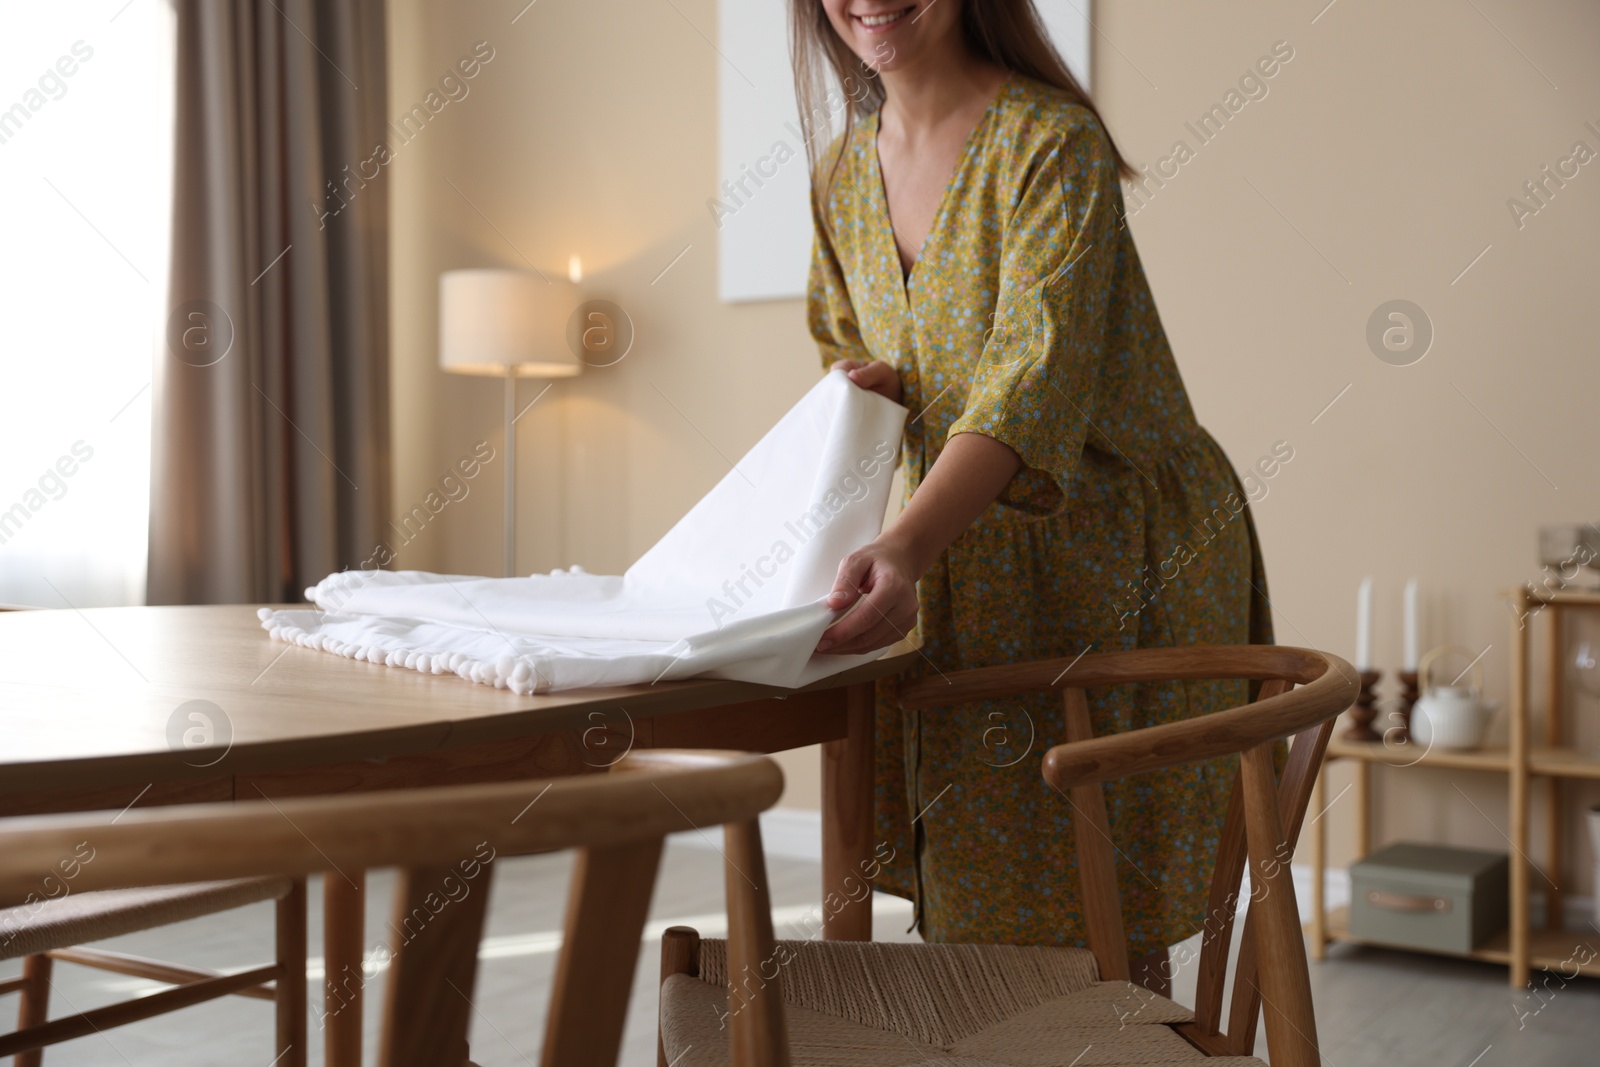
[880, 22]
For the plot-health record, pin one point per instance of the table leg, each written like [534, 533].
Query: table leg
[344, 931]
[847, 850]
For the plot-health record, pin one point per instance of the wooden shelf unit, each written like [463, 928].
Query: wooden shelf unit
[1551, 763]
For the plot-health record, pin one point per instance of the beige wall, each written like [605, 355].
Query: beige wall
[1377, 167]
[1388, 146]
[592, 131]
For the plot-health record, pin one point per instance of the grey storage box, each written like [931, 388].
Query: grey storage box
[1429, 897]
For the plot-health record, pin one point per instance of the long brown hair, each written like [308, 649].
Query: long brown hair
[1007, 33]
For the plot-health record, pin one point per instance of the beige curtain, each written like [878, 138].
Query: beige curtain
[270, 463]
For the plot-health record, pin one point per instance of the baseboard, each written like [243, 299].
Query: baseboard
[792, 833]
[786, 833]
[796, 834]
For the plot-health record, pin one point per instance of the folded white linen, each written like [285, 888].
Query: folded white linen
[735, 590]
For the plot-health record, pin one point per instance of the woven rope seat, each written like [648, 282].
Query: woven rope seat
[79, 918]
[874, 1004]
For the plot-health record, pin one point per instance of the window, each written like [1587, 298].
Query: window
[85, 160]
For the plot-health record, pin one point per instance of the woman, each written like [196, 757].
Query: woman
[971, 262]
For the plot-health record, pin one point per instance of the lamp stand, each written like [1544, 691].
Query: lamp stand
[511, 473]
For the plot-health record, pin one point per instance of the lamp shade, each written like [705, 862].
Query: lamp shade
[505, 321]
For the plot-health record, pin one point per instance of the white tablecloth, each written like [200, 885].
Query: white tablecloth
[735, 590]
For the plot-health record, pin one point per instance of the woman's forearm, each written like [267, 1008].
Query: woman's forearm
[968, 476]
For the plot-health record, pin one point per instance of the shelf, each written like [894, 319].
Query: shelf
[1483, 759]
[1563, 763]
[1550, 950]
[1546, 762]
[1575, 597]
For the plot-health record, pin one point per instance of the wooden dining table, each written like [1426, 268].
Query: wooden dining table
[116, 708]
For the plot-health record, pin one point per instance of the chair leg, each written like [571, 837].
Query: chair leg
[291, 983]
[680, 954]
[344, 933]
[1282, 977]
[757, 1033]
[35, 1007]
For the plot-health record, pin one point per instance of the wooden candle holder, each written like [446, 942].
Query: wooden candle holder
[1401, 733]
[1364, 711]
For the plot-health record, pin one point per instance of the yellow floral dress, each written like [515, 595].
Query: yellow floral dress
[1028, 318]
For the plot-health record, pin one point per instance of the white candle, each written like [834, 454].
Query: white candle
[1410, 657]
[1364, 625]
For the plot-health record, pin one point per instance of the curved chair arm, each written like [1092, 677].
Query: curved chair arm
[1328, 686]
[444, 842]
[656, 794]
[1322, 696]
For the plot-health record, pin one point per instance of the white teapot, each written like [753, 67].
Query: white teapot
[1450, 716]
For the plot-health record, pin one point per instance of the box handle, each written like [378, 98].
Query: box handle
[1407, 902]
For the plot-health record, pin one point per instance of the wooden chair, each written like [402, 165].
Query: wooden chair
[53, 923]
[444, 842]
[850, 1003]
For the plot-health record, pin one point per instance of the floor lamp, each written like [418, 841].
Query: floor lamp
[510, 324]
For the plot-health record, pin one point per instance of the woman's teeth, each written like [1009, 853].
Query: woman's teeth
[874, 21]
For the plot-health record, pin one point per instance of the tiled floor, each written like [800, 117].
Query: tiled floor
[1373, 1007]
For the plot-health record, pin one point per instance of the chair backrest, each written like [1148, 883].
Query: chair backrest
[444, 841]
[1262, 823]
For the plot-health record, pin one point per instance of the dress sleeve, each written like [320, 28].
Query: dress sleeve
[829, 313]
[1036, 377]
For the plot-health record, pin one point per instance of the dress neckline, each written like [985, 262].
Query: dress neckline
[968, 149]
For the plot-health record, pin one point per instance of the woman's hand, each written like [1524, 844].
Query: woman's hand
[882, 577]
[966, 478]
[873, 374]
